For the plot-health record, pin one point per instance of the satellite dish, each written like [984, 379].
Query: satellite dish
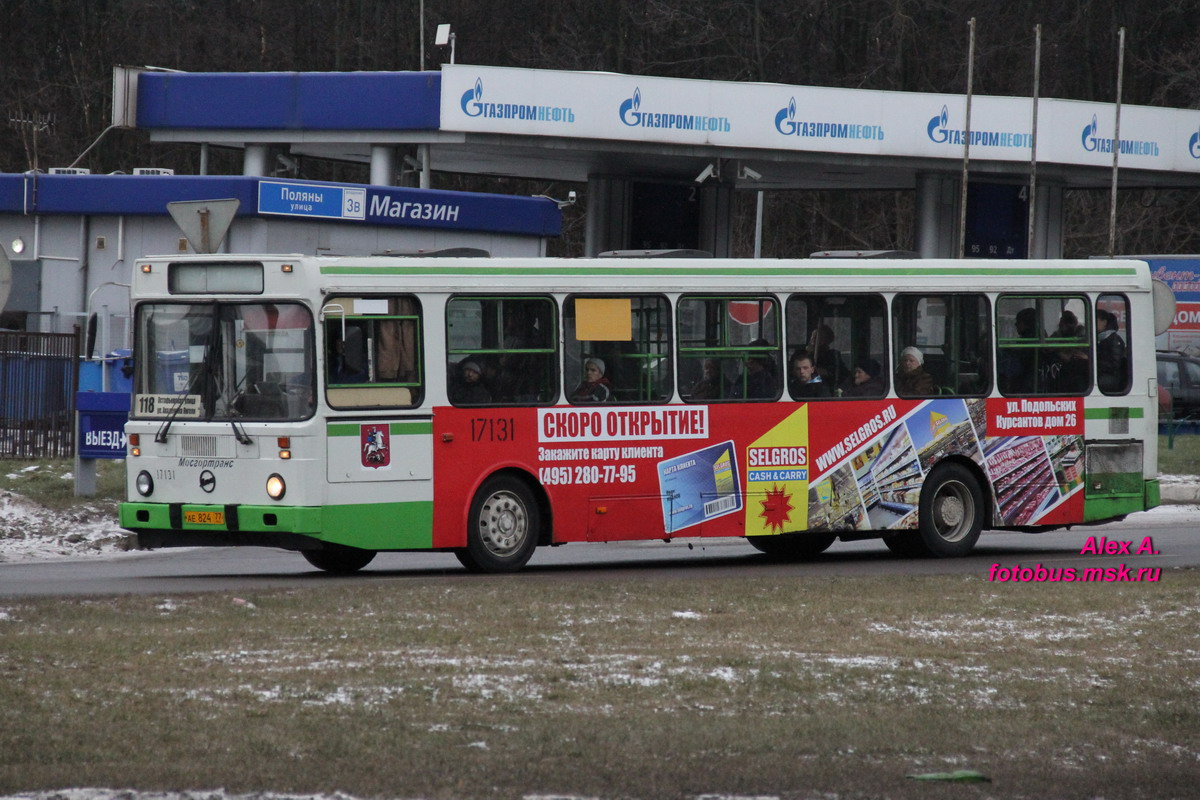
[5, 277]
[1164, 307]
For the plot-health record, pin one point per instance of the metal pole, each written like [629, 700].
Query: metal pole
[1037, 74]
[421, 25]
[758, 215]
[962, 214]
[1116, 146]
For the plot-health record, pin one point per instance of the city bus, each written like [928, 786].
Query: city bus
[345, 406]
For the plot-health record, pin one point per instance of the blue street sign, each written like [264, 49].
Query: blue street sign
[312, 200]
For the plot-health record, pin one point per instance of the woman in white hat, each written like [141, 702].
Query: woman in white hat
[911, 378]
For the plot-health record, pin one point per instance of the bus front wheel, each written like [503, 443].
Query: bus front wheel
[339, 560]
[503, 527]
[951, 512]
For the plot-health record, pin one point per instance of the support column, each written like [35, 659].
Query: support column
[1047, 228]
[254, 161]
[383, 165]
[426, 167]
[716, 209]
[607, 215]
[937, 216]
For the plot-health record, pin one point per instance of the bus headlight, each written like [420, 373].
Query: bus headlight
[276, 487]
[144, 483]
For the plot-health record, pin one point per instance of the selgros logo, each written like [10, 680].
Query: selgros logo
[940, 132]
[473, 105]
[787, 124]
[1093, 143]
[632, 115]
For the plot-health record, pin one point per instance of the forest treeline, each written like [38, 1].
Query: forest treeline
[59, 55]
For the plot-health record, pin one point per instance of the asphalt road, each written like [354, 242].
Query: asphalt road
[1173, 530]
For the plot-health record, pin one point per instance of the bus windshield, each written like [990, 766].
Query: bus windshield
[220, 361]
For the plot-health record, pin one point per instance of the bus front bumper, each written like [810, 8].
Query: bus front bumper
[187, 524]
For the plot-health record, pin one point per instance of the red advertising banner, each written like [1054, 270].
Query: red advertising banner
[1187, 317]
[1050, 416]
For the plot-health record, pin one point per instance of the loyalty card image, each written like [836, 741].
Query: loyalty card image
[699, 486]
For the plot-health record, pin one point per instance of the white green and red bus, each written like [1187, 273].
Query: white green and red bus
[344, 406]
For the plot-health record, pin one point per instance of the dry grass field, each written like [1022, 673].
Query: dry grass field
[508, 688]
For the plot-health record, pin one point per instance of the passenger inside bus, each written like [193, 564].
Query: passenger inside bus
[469, 388]
[866, 380]
[1069, 369]
[911, 378]
[804, 381]
[711, 385]
[1068, 373]
[759, 378]
[1017, 367]
[595, 387]
[1110, 352]
[826, 359]
[347, 357]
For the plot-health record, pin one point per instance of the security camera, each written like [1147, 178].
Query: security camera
[571, 197]
[707, 173]
[753, 175]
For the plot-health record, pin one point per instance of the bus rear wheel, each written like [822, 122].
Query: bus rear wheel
[503, 527]
[793, 547]
[951, 511]
[338, 559]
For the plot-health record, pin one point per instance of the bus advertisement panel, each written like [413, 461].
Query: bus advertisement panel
[664, 471]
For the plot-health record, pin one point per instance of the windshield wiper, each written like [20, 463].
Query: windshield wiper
[239, 432]
[205, 370]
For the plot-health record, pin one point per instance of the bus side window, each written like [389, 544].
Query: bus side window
[729, 348]
[1043, 345]
[941, 345]
[628, 339]
[1112, 340]
[373, 352]
[845, 337]
[511, 339]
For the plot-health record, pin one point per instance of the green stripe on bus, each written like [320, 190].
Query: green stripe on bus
[373, 526]
[701, 270]
[396, 428]
[380, 526]
[1107, 413]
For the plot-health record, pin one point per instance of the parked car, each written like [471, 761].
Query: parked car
[1179, 375]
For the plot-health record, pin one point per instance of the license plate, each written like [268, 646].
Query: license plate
[204, 517]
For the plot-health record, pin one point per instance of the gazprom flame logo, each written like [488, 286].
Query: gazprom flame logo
[785, 120]
[472, 105]
[471, 98]
[1194, 144]
[631, 114]
[1094, 143]
[629, 109]
[1088, 138]
[937, 130]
